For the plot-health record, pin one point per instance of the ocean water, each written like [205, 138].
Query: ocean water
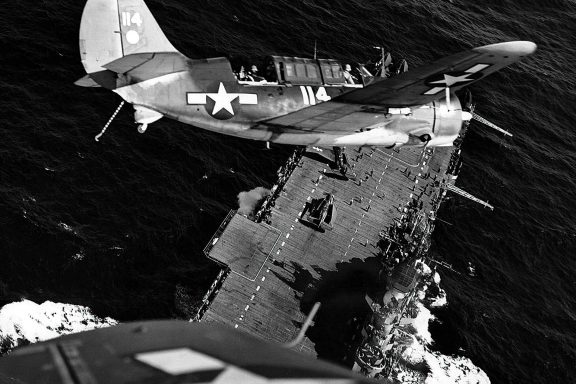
[120, 225]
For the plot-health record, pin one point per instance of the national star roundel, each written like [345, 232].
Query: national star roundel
[219, 102]
[450, 79]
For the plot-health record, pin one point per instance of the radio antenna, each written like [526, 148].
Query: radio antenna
[315, 49]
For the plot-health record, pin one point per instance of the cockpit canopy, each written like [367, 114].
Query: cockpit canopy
[287, 70]
[295, 71]
[302, 71]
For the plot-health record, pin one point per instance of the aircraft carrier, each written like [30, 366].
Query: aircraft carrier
[276, 264]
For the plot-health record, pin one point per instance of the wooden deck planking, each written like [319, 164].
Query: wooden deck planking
[269, 306]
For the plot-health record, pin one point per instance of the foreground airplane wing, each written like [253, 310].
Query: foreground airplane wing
[166, 352]
[417, 87]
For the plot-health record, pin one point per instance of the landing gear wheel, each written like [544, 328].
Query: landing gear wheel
[142, 128]
[425, 138]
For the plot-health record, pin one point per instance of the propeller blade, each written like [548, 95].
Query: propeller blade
[482, 120]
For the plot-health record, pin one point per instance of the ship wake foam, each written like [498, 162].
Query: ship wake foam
[26, 322]
[418, 363]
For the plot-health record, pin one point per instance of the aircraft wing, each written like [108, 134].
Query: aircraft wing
[166, 352]
[419, 86]
[330, 116]
[427, 83]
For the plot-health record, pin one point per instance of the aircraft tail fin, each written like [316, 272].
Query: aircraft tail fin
[113, 30]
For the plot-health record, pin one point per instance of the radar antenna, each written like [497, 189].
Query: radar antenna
[315, 41]
[455, 189]
[445, 265]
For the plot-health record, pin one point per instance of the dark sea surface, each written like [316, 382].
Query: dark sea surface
[120, 225]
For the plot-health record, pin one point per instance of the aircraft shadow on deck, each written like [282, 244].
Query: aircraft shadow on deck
[338, 176]
[320, 158]
[342, 295]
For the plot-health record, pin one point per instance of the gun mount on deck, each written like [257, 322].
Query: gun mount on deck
[320, 213]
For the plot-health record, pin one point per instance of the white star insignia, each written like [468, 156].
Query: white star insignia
[185, 361]
[451, 80]
[222, 100]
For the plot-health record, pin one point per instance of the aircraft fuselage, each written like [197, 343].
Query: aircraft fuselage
[220, 103]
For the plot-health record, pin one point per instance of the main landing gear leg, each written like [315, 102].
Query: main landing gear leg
[142, 128]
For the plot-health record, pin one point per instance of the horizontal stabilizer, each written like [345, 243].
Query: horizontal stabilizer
[144, 66]
[428, 83]
[87, 82]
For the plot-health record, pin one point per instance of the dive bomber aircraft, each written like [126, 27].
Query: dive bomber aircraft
[299, 101]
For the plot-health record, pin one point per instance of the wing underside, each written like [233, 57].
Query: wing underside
[330, 117]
